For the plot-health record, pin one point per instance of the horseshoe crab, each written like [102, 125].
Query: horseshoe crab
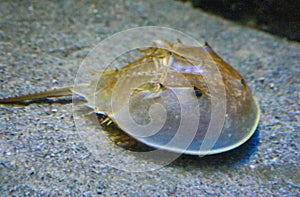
[190, 83]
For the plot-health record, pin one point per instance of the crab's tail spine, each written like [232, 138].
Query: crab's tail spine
[56, 92]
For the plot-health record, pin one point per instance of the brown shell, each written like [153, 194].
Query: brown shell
[165, 73]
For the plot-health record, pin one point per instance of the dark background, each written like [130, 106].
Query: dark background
[280, 17]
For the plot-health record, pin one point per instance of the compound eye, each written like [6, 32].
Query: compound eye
[197, 92]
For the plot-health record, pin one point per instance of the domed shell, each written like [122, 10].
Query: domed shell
[179, 98]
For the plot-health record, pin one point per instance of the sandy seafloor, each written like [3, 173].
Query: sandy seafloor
[42, 44]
